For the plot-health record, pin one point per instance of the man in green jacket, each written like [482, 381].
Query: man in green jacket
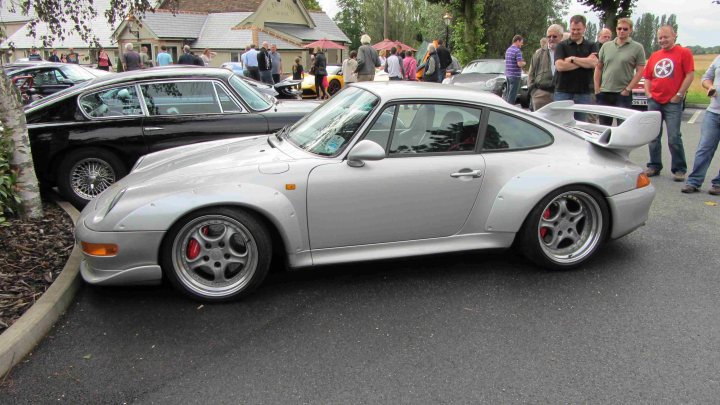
[541, 76]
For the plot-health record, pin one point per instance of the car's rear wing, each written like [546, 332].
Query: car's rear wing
[638, 128]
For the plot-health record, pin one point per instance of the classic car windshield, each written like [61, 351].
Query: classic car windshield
[485, 66]
[326, 131]
[249, 94]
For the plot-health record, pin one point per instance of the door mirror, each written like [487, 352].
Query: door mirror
[365, 150]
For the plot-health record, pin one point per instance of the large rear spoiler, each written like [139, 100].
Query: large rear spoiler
[638, 128]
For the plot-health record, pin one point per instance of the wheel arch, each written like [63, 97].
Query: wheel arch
[57, 158]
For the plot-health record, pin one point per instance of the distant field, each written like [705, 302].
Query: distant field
[696, 94]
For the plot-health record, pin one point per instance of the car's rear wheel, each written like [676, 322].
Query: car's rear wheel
[566, 228]
[217, 254]
[333, 87]
[86, 173]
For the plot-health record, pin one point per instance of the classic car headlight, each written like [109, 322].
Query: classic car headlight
[490, 83]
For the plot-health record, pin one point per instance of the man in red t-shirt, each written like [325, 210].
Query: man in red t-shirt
[668, 74]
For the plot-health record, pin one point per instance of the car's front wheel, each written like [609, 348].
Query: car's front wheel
[217, 254]
[566, 228]
[334, 86]
[85, 173]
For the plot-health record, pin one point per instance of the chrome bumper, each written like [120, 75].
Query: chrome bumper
[630, 210]
[135, 263]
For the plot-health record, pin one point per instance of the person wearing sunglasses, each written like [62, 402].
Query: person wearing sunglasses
[541, 76]
[620, 66]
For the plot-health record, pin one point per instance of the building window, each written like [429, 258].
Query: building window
[234, 56]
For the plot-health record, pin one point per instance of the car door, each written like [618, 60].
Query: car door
[190, 111]
[424, 188]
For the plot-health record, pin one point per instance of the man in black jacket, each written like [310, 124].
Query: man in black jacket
[265, 64]
[187, 58]
[445, 59]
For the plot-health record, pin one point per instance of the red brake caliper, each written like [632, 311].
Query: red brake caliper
[193, 247]
[543, 230]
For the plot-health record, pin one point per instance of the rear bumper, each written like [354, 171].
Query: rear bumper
[630, 210]
[135, 263]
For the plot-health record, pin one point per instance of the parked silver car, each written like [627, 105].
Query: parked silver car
[381, 170]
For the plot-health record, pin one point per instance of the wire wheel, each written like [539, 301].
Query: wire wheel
[214, 256]
[91, 176]
[570, 227]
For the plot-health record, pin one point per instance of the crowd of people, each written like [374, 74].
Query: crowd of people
[605, 71]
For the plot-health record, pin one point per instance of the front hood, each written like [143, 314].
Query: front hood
[473, 78]
[294, 106]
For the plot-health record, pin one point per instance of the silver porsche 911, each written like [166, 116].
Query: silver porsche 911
[382, 170]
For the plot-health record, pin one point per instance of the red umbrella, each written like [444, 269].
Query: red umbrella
[386, 44]
[325, 44]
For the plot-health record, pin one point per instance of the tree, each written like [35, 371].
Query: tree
[349, 20]
[644, 32]
[610, 10]
[60, 17]
[467, 28]
[312, 5]
[591, 31]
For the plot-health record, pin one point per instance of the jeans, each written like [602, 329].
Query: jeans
[276, 77]
[266, 76]
[578, 98]
[615, 100]
[513, 86]
[672, 115]
[709, 139]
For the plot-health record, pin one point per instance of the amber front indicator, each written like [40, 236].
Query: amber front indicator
[99, 249]
[642, 181]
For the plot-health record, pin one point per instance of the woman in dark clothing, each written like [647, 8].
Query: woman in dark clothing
[297, 70]
[320, 72]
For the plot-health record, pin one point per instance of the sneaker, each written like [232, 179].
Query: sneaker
[652, 172]
[679, 176]
[715, 189]
[689, 189]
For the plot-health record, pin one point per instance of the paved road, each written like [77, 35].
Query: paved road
[640, 324]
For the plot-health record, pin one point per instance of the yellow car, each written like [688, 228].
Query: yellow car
[335, 82]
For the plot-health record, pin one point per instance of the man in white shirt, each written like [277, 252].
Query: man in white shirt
[394, 66]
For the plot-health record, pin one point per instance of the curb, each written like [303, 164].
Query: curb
[23, 335]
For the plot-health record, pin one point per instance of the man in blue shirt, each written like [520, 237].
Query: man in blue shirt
[164, 58]
[250, 62]
[513, 64]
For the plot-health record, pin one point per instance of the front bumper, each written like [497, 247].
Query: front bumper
[630, 210]
[135, 263]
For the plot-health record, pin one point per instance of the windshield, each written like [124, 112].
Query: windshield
[76, 73]
[485, 66]
[251, 96]
[333, 70]
[326, 131]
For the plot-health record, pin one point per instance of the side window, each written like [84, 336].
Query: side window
[227, 103]
[435, 128]
[507, 132]
[115, 102]
[180, 98]
[380, 131]
[45, 78]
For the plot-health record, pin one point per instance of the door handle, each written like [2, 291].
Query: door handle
[467, 172]
[153, 129]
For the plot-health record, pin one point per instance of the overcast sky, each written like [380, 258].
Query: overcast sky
[698, 20]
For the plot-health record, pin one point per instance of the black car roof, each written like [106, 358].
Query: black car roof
[155, 73]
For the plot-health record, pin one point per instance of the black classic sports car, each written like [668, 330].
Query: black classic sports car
[87, 137]
[489, 75]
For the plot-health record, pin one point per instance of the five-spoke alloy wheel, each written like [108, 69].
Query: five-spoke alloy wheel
[566, 228]
[217, 254]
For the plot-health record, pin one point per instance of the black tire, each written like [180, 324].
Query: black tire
[85, 173]
[577, 221]
[334, 86]
[217, 254]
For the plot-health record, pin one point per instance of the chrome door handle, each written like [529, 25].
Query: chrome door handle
[467, 172]
[153, 129]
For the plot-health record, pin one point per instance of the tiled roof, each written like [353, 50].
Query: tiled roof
[180, 25]
[101, 29]
[282, 45]
[217, 33]
[7, 16]
[217, 6]
[325, 24]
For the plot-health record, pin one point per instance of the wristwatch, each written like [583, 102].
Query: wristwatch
[681, 95]
[572, 59]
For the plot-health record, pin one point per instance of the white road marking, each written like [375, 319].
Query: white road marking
[694, 117]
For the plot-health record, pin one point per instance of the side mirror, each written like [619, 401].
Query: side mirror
[365, 150]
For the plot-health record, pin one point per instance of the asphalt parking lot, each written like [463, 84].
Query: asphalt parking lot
[639, 324]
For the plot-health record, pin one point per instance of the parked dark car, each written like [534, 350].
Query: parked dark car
[489, 75]
[43, 79]
[87, 137]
